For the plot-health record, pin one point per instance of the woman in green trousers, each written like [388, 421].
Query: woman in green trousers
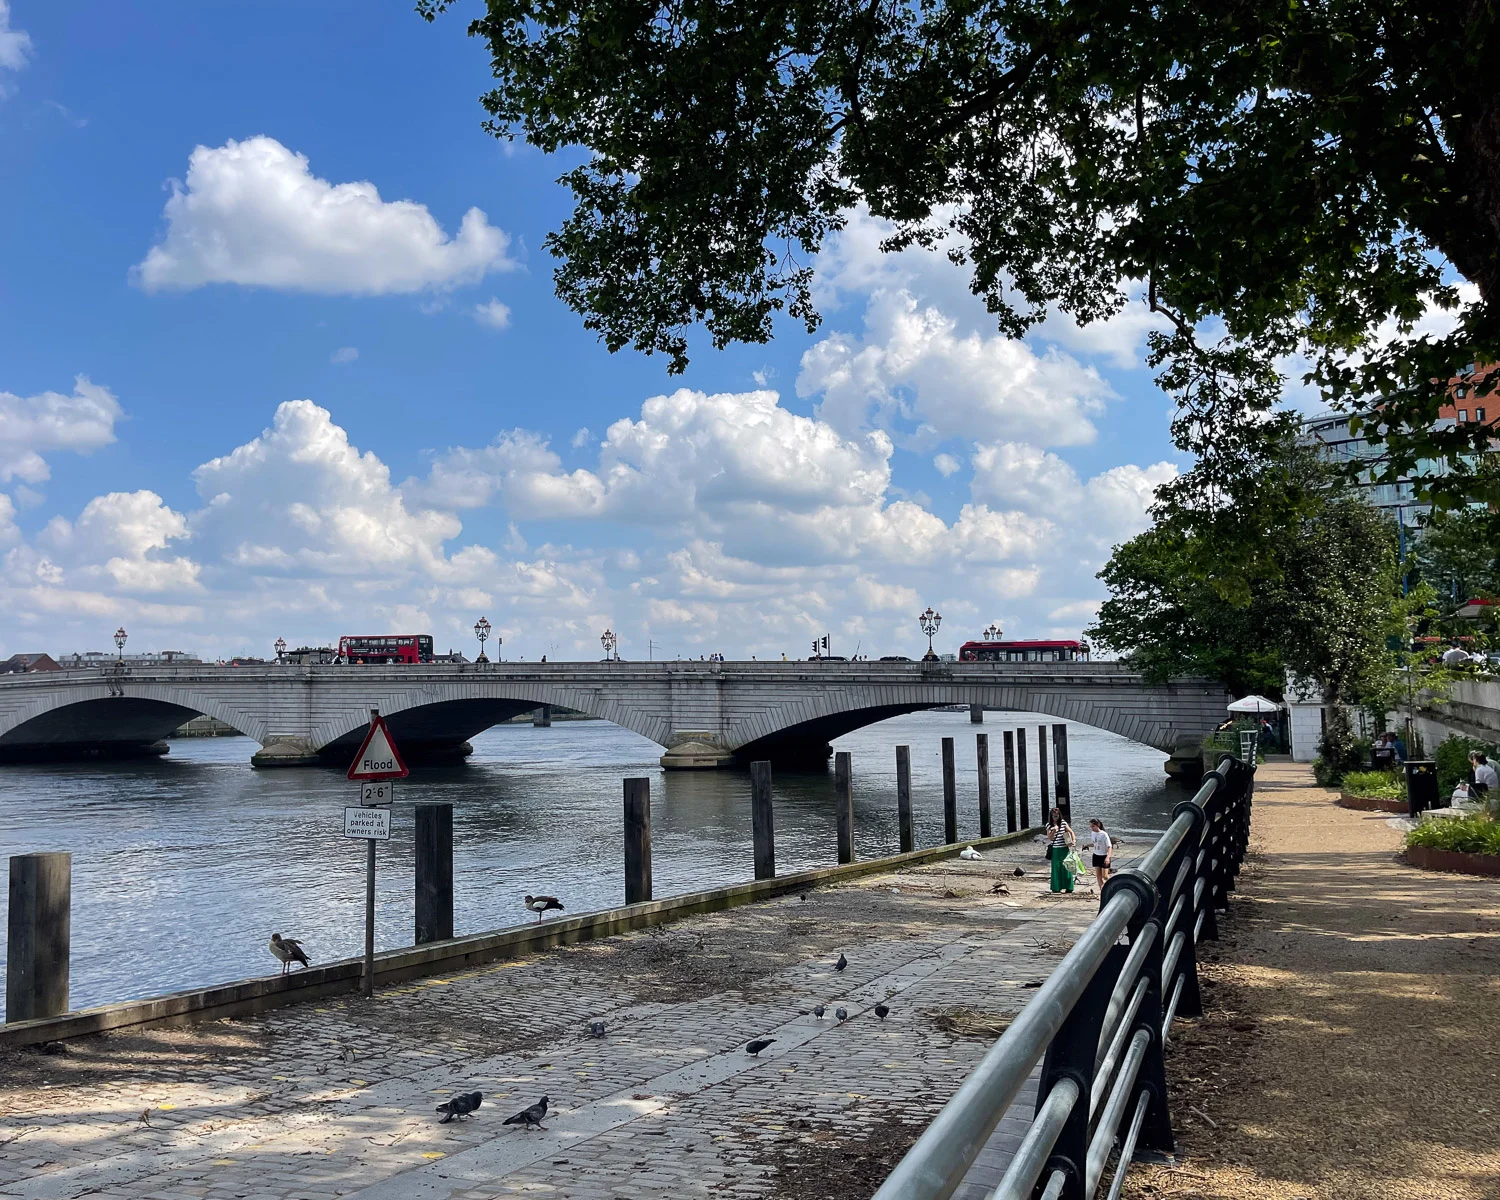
[1060, 842]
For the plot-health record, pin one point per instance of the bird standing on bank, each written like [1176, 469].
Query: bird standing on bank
[596, 1029]
[755, 1047]
[819, 1010]
[841, 964]
[542, 904]
[882, 1010]
[461, 1105]
[530, 1118]
[841, 1013]
[288, 950]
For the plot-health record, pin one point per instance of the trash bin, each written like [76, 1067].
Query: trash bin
[1421, 786]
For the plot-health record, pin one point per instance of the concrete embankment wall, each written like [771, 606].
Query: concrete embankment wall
[1472, 710]
[247, 996]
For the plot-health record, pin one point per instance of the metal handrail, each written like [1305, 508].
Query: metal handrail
[1100, 1019]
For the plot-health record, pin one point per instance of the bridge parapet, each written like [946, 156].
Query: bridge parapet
[703, 714]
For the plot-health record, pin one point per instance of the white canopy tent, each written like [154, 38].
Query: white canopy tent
[1254, 704]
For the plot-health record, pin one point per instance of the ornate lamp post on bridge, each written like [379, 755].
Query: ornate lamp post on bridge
[280, 648]
[930, 622]
[609, 641]
[992, 633]
[482, 632]
[120, 636]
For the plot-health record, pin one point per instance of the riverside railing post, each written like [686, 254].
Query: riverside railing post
[1062, 790]
[1010, 781]
[1043, 784]
[1156, 1132]
[1191, 1002]
[982, 759]
[950, 795]
[1070, 1055]
[38, 936]
[1021, 779]
[434, 861]
[843, 804]
[762, 826]
[637, 841]
[903, 799]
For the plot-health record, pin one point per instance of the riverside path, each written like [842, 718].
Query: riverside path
[337, 1098]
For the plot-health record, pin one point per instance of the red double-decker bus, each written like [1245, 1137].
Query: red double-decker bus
[1023, 652]
[386, 648]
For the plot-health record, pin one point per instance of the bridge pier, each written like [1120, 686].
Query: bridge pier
[287, 750]
[695, 750]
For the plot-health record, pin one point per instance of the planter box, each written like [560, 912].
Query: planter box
[1453, 860]
[1371, 804]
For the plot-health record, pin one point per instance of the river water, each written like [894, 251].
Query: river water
[184, 866]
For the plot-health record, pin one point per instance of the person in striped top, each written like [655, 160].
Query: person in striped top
[1060, 841]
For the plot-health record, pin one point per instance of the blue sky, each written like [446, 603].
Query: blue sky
[309, 410]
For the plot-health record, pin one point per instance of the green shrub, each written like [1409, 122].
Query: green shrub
[1452, 758]
[1380, 785]
[1471, 835]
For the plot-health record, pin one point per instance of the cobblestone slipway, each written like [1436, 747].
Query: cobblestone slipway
[337, 1099]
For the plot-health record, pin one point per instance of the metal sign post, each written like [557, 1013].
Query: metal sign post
[374, 766]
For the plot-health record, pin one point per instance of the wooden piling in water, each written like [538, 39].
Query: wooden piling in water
[903, 799]
[976, 714]
[39, 933]
[637, 841]
[434, 870]
[762, 825]
[1010, 781]
[843, 804]
[982, 757]
[1043, 781]
[1063, 790]
[950, 794]
[1021, 779]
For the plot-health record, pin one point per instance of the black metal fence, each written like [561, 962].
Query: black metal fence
[1101, 1021]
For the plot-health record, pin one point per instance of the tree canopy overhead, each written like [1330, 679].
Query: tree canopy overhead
[1274, 176]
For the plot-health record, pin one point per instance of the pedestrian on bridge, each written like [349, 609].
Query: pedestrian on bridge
[1060, 842]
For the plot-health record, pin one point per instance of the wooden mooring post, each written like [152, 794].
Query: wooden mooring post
[950, 795]
[976, 714]
[39, 933]
[1010, 782]
[1043, 782]
[1061, 789]
[982, 758]
[637, 841]
[843, 804]
[434, 865]
[1021, 779]
[762, 825]
[903, 799]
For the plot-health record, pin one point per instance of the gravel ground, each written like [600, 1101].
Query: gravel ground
[1349, 1048]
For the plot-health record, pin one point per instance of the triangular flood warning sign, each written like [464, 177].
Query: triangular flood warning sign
[378, 757]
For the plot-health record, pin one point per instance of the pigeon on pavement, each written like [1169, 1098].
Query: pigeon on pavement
[755, 1047]
[531, 1117]
[1018, 872]
[881, 1010]
[841, 964]
[841, 1013]
[459, 1106]
[818, 1010]
[596, 1029]
[541, 904]
[288, 950]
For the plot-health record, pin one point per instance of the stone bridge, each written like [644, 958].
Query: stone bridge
[703, 714]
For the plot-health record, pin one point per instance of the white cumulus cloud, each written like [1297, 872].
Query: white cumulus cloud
[493, 314]
[253, 213]
[344, 354]
[15, 44]
[31, 426]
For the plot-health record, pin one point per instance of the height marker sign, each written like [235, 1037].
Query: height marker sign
[378, 757]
